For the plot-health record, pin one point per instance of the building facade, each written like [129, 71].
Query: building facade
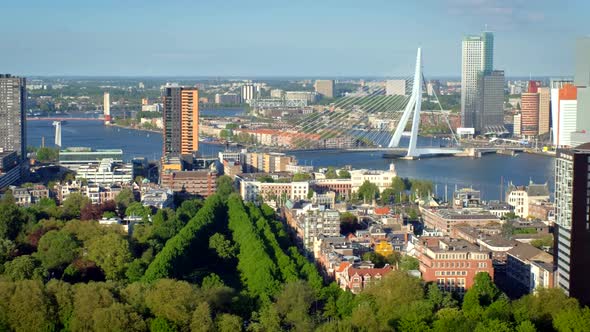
[398, 88]
[544, 110]
[181, 120]
[325, 88]
[572, 233]
[564, 106]
[13, 128]
[477, 57]
[451, 263]
[489, 115]
[530, 114]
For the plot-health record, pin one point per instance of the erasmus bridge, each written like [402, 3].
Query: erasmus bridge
[377, 120]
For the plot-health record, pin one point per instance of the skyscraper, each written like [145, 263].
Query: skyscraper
[582, 83]
[107, 107]
[572, 226]
[247, 92]
[398, 87]
[544, 110]
[13, 98]
[325, 88]
[564, 106]
[529, 103]
[477, 59]
[181, 121]
[489, 110]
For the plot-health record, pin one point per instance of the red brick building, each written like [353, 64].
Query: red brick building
[355, 278]
[200, 182]
[451, 263]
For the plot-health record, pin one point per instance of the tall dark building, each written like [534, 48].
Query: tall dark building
[572, 221]
[13, 98]
[181, 121]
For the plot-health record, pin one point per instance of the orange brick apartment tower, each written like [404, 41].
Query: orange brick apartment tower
[181, 121]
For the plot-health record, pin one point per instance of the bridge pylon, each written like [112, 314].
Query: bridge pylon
[57, 125]
[414, 105]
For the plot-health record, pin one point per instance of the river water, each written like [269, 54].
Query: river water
[485, 174]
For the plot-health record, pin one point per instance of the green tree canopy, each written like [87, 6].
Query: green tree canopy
[57, 249]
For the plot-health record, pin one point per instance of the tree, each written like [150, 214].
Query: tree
[124, 199]
[172, 300]
[201, 319]
[310, 193]
[24, 267]
[408, 263]
[368, 191]
[229, 323]
[74, 204]
[331, 173]
[421, 188]
[480, 296]
[118, 317]
[544, 242]
[30, 308]
[46, 154]
[137, 209]
[160, 324]
[297, 177]
[388, 196]
[572, 320]
[111, 253]
[6, 249]
[12, 219]
[348, 223]
[57, 249]
[225, 186]
[294, 303]
[224, 248]
[343, 174]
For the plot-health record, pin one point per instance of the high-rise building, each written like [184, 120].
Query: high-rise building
[564, 106]
[433, 88]
[572, 233]
[489, 110]
[325, 88]
[582, 83]
[13, 98]
[516, 127]
[544, 110]
[529, 106]
[477, 59]
[398, 87]
[107, 107]
[247, 92]
[181, 120]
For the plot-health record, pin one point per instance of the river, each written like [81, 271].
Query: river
[485, 173]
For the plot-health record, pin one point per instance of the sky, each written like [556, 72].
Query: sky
[256, 38]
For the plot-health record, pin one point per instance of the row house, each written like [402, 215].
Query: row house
[29, 195]
[358, 276]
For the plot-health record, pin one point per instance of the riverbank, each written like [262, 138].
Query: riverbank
[158, 131]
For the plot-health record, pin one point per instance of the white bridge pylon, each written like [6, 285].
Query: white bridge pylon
[414, 104]
[57, 125]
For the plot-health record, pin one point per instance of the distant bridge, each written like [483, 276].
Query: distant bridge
[62, 119]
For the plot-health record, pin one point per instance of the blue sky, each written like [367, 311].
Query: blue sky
[283, 37]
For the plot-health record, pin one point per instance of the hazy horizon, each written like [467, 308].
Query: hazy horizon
[376, 38]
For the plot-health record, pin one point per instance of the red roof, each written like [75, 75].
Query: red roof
[382, 210]
[342, 266]
[372, 272]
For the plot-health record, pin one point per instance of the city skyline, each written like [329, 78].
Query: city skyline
[307, 39]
